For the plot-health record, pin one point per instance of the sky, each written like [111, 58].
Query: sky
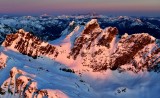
[56, 7]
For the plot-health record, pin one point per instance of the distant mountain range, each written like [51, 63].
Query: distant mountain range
[50, 28]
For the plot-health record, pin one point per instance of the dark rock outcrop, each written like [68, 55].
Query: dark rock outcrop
[29, 44]
[102, 49]
[23, 86]
[83, 39]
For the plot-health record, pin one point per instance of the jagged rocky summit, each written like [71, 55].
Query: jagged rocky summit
[97, 48]
[28, 44]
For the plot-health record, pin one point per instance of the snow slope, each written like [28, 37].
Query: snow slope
[41, 74]
[45, 74]
[91, 62]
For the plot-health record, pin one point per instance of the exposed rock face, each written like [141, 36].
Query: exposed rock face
[128, 48]
[88, 35]
[93, 36]
[29, 44]
[107, 39]
[102, 49]
[18, 84]
[152, 60]
[3, 60]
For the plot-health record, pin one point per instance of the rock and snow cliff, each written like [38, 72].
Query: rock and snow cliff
[100, 49]
[82, 48]
[28, 44]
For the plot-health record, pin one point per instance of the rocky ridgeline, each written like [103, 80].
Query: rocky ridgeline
[28, 44]
[98, 48]
[104, 49]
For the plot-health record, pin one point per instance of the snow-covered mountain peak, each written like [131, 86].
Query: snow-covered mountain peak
[101, 49]
[93, 21]
[69, 29]
[97, 48]
[71, 23]
[21, 31]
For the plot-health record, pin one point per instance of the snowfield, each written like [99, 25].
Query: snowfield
[46, 75]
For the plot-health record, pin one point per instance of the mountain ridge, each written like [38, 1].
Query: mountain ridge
[98, 48]
[85, 62]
